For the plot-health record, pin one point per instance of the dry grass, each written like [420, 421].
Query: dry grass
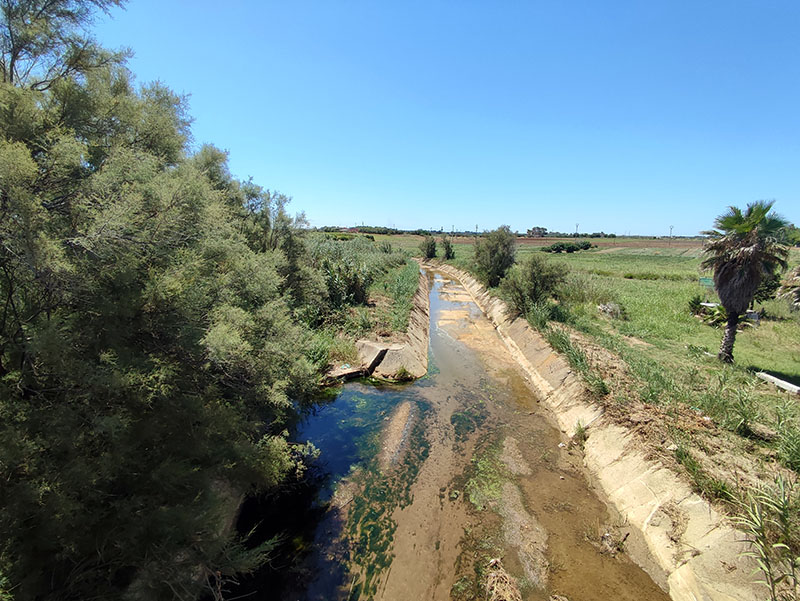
[500, 585]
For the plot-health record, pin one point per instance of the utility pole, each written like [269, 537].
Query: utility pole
[576, 229]
[670, 234]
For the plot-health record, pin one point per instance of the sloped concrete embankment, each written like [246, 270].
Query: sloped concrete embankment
[687, 547]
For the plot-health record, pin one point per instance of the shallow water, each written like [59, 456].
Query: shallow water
[421, 485]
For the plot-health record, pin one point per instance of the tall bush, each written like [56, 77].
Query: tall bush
[449, 250]
[428, 247]
[495, 253]
[531, 282]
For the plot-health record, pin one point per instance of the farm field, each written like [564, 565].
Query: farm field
[654, 279]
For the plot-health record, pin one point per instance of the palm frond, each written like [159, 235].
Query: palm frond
[790, 289]
[743, 248]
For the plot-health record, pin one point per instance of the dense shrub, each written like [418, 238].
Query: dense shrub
[449, 251]
[569, 247]
[428, 247]
[494, 254]
[531, 282]
[768, 288]
[349, 267]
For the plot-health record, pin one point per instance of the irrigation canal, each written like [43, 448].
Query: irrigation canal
[420, 486]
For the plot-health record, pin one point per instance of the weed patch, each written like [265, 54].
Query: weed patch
[705, 484]
[559, 339]
[769, 519]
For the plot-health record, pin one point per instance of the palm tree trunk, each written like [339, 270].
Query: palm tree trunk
[726, 348]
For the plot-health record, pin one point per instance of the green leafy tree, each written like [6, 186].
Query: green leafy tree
[743, 249]
[151, 357]
[495, 253]
[44, 41]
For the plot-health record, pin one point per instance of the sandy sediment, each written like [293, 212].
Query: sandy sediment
[395, 435]
[512, 458]
[702, 559]
[525, 534]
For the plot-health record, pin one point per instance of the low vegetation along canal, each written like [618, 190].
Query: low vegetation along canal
[428, 482]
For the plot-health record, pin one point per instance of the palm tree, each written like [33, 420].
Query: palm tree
[741, 250]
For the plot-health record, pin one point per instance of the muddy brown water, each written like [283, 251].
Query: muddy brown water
[455, 470]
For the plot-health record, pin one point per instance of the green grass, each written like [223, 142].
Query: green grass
[657, 309]
[706, 485]
[664, 347]
[397, 288]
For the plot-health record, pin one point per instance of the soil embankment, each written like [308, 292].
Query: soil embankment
[686, 546]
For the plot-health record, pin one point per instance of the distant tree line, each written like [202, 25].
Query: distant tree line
[542, 232]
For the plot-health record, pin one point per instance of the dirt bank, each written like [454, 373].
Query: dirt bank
[686, 546]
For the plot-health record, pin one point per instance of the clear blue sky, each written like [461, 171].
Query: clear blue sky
[619, 116]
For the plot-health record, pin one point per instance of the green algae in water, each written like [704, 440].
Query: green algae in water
[468, 421]
[486, 477]
[370, 526]
[479, 546]
[346, 429]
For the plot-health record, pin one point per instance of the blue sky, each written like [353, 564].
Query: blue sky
[619, 116]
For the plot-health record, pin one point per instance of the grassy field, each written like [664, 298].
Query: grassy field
[654, 287]
[663, 346]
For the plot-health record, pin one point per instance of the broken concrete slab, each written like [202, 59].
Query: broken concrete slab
[370, 353]
[401, 362]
